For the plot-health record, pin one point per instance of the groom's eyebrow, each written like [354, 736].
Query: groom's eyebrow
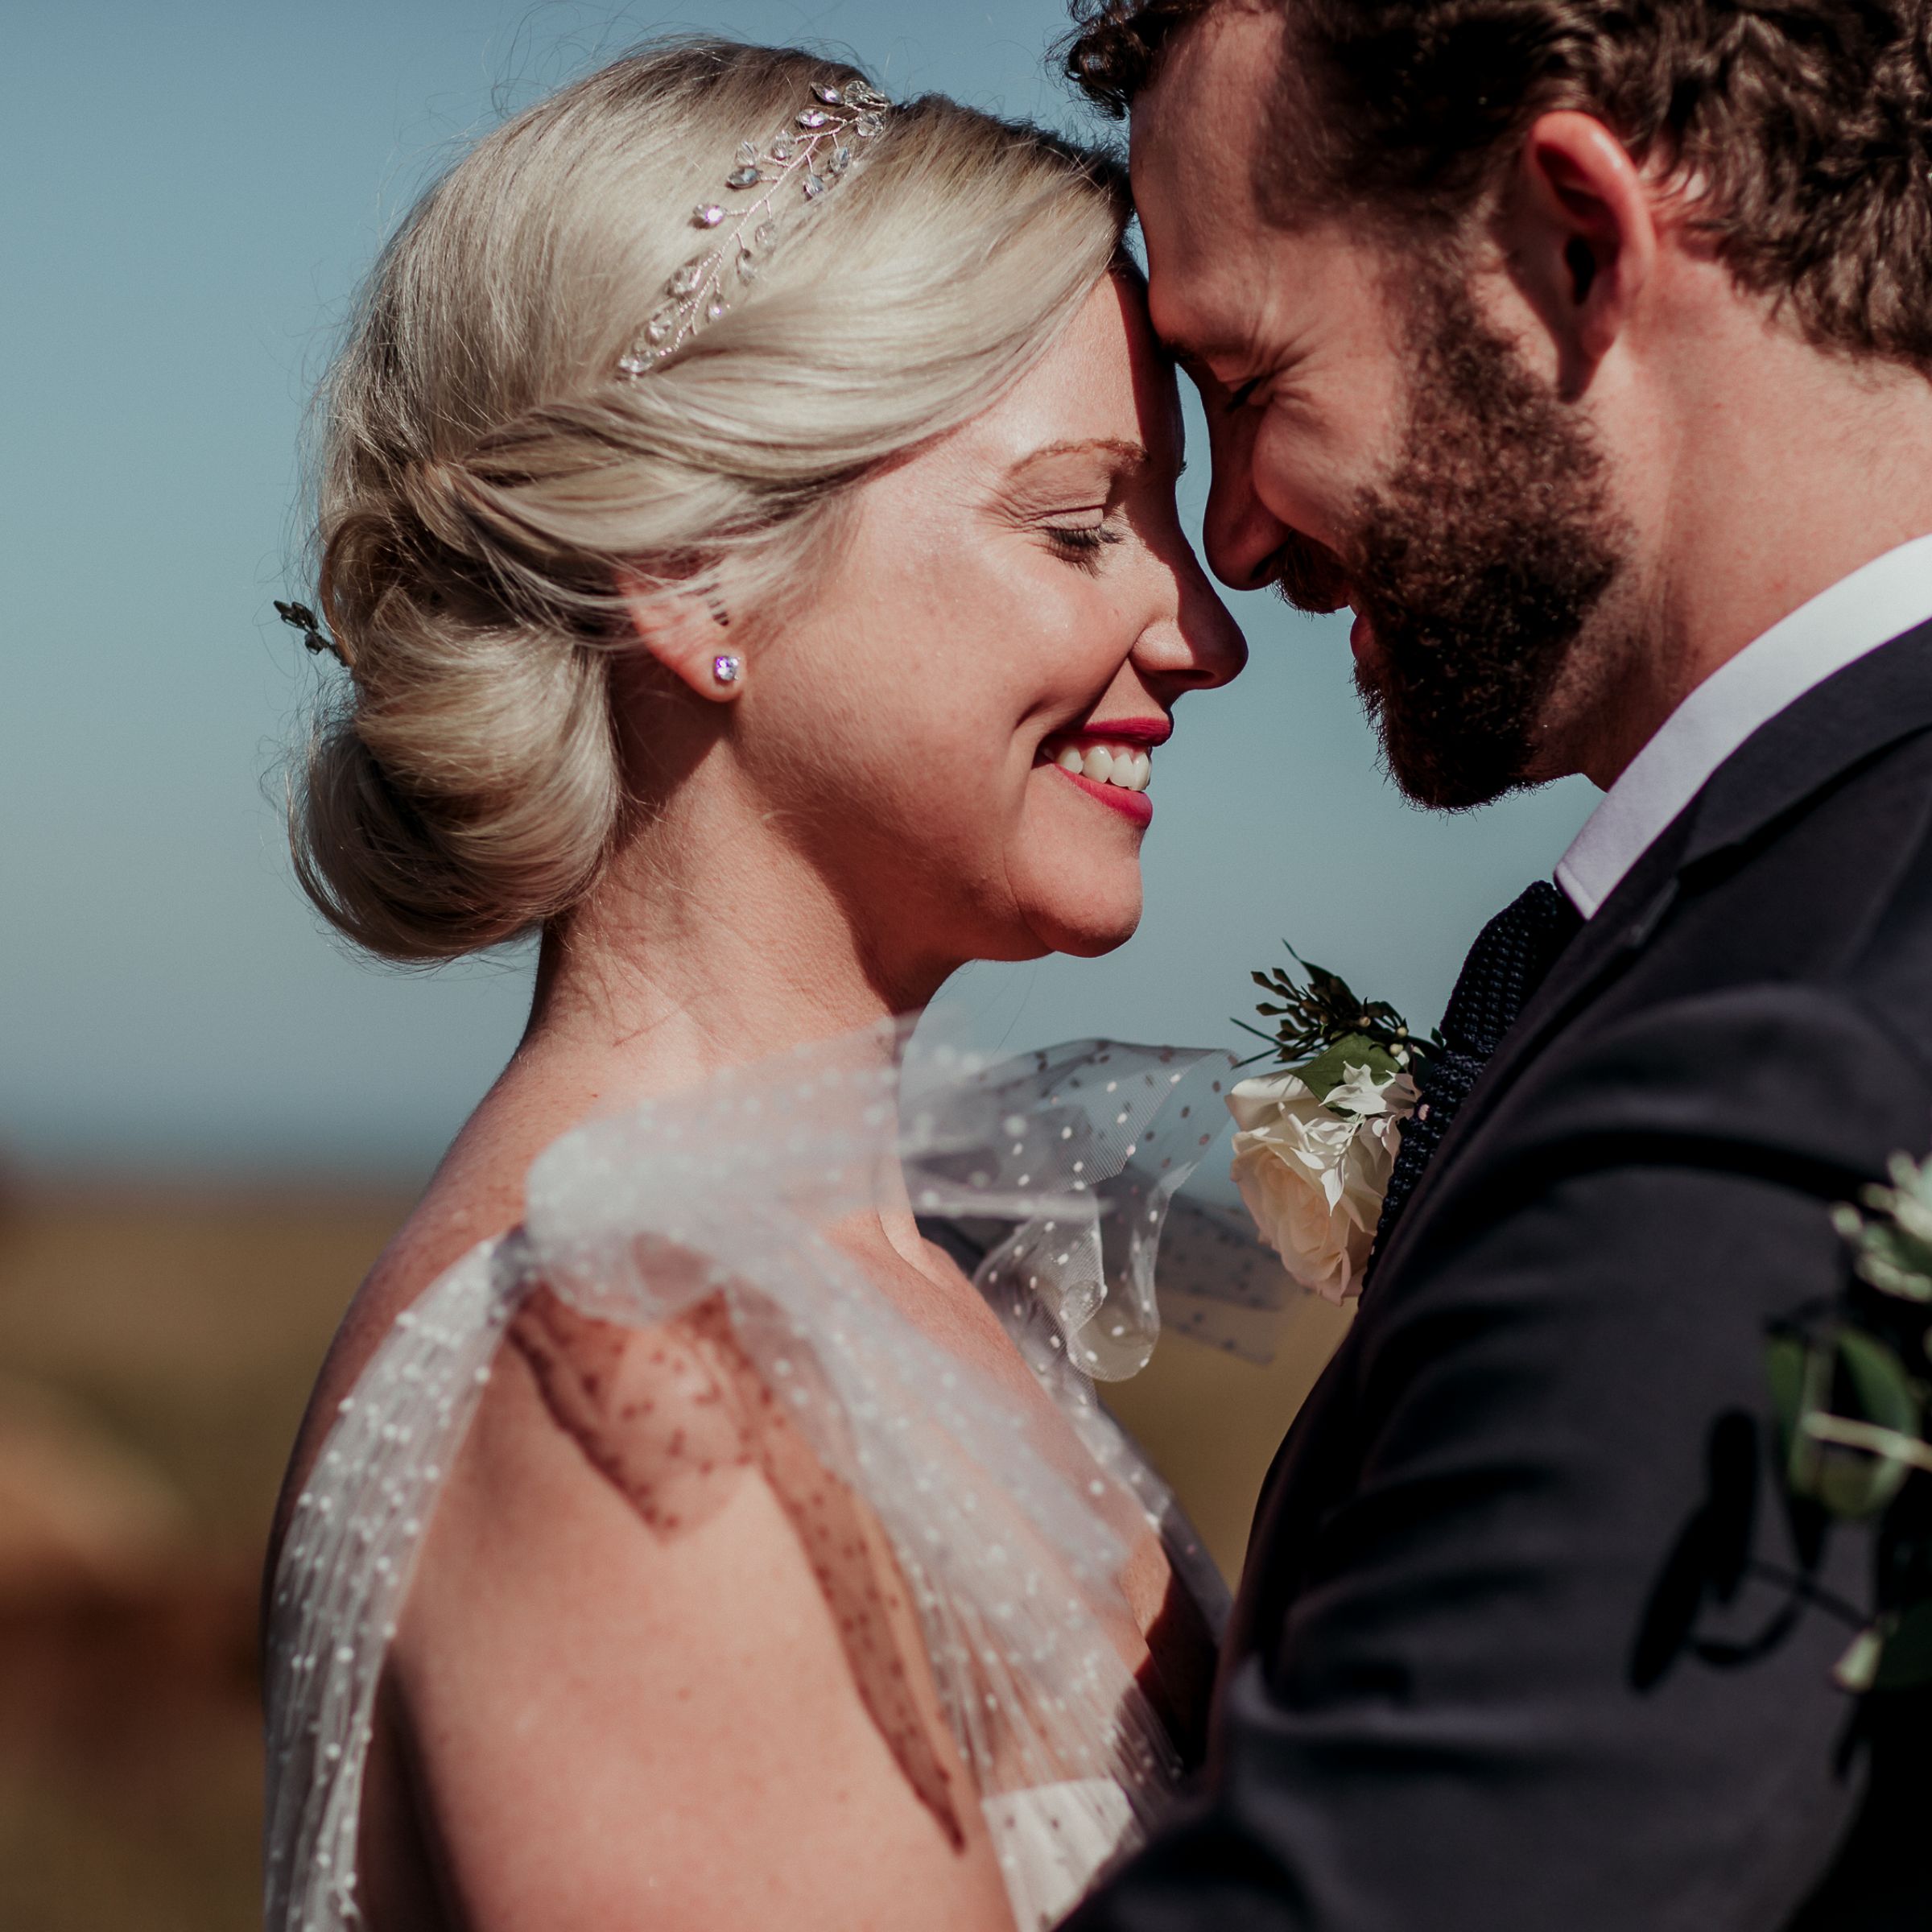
[1197, 359]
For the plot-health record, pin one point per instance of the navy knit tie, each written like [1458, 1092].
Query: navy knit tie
[1511, 958]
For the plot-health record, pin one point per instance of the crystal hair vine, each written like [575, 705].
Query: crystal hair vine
[816, 150]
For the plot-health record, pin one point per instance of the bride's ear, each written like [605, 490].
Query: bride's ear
[1583, 238]
[687, 627]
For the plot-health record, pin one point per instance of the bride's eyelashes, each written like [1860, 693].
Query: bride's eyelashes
[1082, 544]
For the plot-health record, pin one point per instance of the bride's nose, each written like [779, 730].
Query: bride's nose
[1192, 641]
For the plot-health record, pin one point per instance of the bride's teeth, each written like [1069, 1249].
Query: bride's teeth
[1125, 765]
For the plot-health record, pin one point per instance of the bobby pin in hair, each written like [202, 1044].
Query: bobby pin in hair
[299, 617]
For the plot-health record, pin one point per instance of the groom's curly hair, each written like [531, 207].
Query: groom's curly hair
[1801, 129]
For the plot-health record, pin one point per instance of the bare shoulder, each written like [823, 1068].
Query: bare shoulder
[652, 1648]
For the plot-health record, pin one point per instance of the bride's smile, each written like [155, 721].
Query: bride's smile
[1111, 760]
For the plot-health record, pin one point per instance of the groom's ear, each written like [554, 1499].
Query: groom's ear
[1582, 237]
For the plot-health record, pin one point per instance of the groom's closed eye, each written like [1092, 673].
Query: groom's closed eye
[1199, 362]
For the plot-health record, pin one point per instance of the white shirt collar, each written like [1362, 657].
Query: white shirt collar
[1891, 594]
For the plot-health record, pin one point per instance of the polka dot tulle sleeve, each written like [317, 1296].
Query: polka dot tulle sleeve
[1053, 1177]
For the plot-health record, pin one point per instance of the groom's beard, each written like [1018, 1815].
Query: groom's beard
[1478, 564]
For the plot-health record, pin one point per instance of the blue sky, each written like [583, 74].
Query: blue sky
[193, 190]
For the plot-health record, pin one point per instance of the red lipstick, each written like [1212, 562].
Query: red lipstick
[1123, 731]
[1134, 805]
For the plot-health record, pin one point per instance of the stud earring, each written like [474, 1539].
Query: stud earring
[726, 669]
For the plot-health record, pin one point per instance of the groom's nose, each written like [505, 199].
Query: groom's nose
[1242, 536]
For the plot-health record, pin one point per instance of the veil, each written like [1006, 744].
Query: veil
[1052, 1176]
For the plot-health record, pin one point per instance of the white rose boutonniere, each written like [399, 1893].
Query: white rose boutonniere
[1316, 1141]
[1313, 1170]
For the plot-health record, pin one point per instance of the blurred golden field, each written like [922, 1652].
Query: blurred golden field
[156, 1347]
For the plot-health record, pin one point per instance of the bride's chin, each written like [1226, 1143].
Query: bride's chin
[1089, 947]
[1084, 927]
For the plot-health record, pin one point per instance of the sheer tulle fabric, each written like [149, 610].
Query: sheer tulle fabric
[1055, 1175]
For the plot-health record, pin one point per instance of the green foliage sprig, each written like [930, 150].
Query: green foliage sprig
[1322, 1023]
[1854, 1407]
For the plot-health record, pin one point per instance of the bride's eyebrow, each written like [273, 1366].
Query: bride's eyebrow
[1121, 456]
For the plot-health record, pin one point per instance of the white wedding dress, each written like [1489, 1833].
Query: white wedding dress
[1054, 1175]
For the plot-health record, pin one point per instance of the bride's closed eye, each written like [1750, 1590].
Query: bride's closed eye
[1082, 544]
[1071, 497]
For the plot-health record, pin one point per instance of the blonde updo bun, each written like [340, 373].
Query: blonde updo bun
[489, 476]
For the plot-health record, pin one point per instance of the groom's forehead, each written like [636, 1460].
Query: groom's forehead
[1194, 185]
[1197, 134]
[1220, 80]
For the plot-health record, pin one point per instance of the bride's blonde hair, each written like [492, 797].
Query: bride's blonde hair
[489, 475]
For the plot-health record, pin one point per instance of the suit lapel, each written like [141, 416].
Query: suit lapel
[1584, 970]
[1861, 711]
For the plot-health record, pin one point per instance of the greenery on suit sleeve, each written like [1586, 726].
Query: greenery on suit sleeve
[1854, 1406]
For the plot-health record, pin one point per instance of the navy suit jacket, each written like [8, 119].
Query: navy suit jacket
[1529, 1639]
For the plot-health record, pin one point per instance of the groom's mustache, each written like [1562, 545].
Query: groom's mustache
[1310, 576]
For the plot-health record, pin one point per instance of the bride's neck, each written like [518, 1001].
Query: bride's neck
[709, 943]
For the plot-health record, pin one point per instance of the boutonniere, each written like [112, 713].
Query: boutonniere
[1855, 1416]
[1316, 1139]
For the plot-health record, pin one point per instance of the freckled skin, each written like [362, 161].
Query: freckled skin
[675, 1421]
